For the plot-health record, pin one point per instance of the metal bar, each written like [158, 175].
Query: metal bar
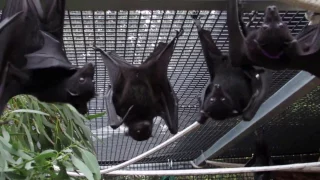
[296, 88]
[166, 5]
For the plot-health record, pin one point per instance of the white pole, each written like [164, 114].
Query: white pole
[145, 154]
[292, 167]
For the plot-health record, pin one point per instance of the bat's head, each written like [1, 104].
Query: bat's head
[140, 130]
[217, 104]
[81, 84]
[273, 35]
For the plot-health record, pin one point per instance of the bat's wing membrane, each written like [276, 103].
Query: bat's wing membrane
[51, 16]
[211, 52]
[309, 50]
[114, 64]
[260, 83]
[114, 122]
[7, 27]
[159, 61]
[50, 55]
[236, 38]
[309, 38]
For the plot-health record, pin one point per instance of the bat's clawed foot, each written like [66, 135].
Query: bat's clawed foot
[180, 33]
[96, 48]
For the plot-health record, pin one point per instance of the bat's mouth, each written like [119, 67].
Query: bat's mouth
[266, 53]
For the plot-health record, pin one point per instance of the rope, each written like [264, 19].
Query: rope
[180, 134]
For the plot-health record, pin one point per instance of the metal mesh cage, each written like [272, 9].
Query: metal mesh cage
[134, 35]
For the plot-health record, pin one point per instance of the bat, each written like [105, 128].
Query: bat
[261, 157]
[267, 46]
[38, 55]
[305, 50]
[231, 91]
[138, 94]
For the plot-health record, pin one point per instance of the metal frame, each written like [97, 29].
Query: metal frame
[92, 5]
[296, 88]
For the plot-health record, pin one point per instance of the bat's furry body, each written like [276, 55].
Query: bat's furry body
[138, 94]
[34, 62]
[231, 91]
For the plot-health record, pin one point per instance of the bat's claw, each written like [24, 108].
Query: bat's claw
[180, 33]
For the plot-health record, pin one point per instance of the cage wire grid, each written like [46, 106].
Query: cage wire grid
[134, 35]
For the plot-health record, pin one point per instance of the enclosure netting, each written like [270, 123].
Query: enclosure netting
[134, 35]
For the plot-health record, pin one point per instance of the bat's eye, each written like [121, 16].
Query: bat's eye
[213, 99]
[82, 80]
[280, 24]
[265, 26]
[235, 112]
[257, 76]
[223, 99]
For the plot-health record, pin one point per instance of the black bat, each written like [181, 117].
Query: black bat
[36, 52]
[267, 46]
[305, 50]
[138, 94]
[261, 157]
[231, 91]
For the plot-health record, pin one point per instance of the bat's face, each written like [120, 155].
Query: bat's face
[141, 130]
[81, 84]
[273, 35]
[217, 104]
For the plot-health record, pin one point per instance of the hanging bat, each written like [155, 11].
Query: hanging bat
[231, 91]
[267, 46]
[138, 94]
[261, 157]
[305, 50]
[39, 56]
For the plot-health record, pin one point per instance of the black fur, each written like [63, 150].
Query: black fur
[138, 94]
[34, 62]
[232, 91]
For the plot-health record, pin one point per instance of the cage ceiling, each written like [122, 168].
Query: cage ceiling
[133, 34]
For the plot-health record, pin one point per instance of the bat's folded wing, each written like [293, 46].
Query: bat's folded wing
[309, 39]
[211, 52]
[169, 108]
[114, 63]
[113, 120]
[7, 29]
[51, 16]
[50, 55]
[260, 82]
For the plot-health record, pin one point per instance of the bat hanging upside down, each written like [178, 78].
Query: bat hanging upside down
[272, 45]
[32, 60]
[139, 94]
[231, 91]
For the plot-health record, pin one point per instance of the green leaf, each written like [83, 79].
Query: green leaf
[5, 134]
[62, 173]
[28, 165]
[46, 154]
[91, 161]
[69, 166]
[82, 167]
[94, 116]
[29, 111]
[26, 130]
[15, 176]
[3, 164]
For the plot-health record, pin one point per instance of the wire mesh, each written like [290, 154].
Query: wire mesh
[133, 35]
